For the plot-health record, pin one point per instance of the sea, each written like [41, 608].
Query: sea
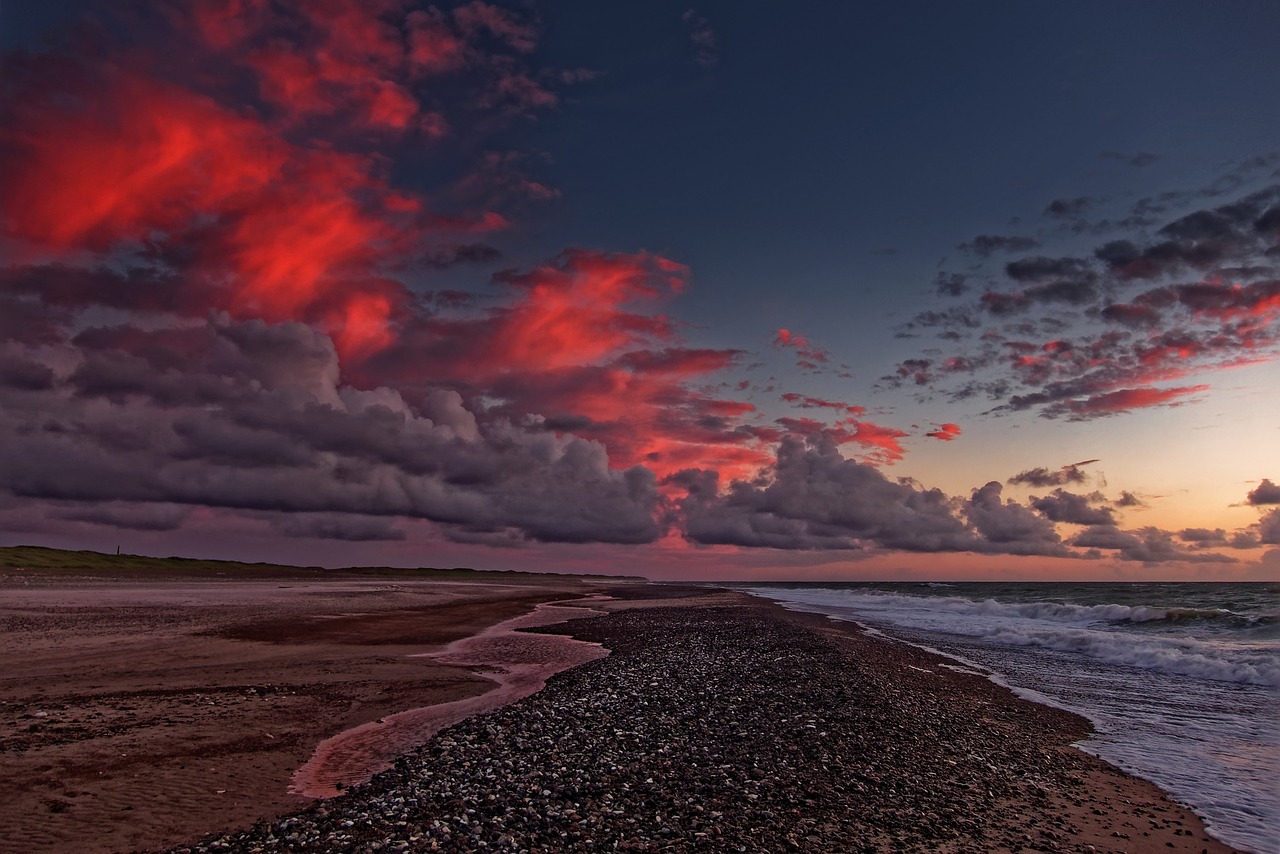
[1180, 680]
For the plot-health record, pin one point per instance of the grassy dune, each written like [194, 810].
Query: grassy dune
[46, 561]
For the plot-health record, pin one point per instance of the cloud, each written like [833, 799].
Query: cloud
[1069, 208]
[951, 284]
[1128, 499]
[703, 38]
[1184, 292]
[945, 432]
[1265, 493]
[1122, 400]
[813, 498]
[1063, 506]
[1145, 545]
[1041, 476]
[1269, 528]
[252, 417]
[808, 356]
[816, 499]
[1009, 527]
[806, 402]
[133, 517]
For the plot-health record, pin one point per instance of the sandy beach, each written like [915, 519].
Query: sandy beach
[142, 711]
[150, 713]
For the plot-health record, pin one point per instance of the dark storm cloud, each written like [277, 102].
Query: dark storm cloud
[257, 420]
[1040, 268]
[28, 322]
[1266, 493]
[135, 517]
[336, 526]
[22, 373]
[1076, 509]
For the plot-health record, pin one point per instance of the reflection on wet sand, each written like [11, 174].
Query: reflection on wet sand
[518, 663]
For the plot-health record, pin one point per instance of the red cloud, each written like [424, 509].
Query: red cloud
[808, 356]
[945, 432]
[1131, 398]
[245, 174]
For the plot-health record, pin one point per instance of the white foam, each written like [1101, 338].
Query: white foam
[1097, 631]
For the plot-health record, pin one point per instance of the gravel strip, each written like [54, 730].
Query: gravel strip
[720, 729]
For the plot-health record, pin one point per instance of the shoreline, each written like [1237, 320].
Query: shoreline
[349, 648]
[722, 724]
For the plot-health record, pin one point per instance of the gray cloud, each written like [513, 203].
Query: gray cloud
[1266, 493]
[1041, 476]
[1009, 527]
[816, 499]
[1145, 545]
[1070, 507]
[252, 417]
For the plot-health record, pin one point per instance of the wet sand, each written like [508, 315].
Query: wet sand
[141, 712]
[517, 665]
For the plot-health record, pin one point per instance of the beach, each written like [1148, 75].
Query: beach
[157, 714]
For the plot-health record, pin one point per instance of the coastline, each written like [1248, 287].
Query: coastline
[689, 734]
[722, 723]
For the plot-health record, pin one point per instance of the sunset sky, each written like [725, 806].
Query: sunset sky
[731, 290]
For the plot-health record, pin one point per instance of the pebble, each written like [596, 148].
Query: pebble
[705, 729]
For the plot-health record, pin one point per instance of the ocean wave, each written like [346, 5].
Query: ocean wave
[1057, 612]
[1184, 657]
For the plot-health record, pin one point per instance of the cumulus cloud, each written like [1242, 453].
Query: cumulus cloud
[814, 498]
[817, 499]
[1265, 493]
[1008, 526]
[265, 425]
[1145, 545]
[1063, 506]
[1269, 528]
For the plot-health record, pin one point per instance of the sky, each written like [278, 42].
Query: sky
[734, 290]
